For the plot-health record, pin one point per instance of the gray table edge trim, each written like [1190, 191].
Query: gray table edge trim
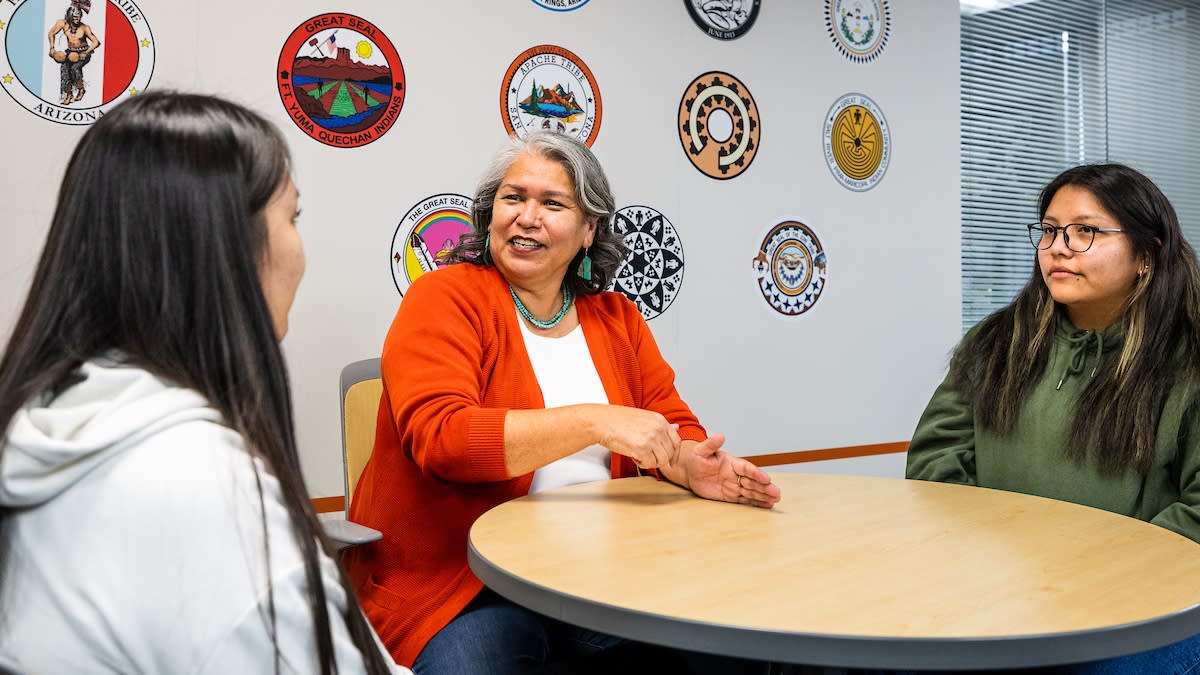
[840, 650]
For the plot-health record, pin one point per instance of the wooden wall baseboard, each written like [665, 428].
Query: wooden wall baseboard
[331, 504]
[780, 458]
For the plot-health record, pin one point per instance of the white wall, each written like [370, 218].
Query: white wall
[857, 368]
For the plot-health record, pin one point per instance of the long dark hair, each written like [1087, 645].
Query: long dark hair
[165, 194]
[592, 193]
[998, 365]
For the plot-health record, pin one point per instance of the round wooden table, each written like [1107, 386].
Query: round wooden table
[846, 571]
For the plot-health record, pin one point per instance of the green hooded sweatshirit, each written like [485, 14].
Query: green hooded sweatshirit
[949, 445]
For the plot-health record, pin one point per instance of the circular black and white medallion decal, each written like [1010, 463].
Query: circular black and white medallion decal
[723, 19]
[653, 269]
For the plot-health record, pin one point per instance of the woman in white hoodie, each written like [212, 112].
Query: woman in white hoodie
[153, 518]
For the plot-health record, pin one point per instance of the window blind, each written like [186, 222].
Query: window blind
[1050, 84]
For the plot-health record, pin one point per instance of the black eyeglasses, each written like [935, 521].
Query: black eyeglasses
[1078, 238]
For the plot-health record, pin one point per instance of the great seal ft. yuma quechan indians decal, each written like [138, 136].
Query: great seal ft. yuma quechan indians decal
[859, 28]
[426, 234]
[718, 125]
[789, 268]
[652, 272]
[341, 80]
[723, 19]
[858, 142]
[70, 61]
[549, 88]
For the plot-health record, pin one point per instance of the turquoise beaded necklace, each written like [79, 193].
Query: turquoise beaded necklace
[554, 320]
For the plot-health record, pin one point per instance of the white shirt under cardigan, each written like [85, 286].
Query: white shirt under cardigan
[567, 376]
[137, 546]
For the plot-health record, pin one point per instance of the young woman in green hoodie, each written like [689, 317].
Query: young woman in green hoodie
[1085, 388]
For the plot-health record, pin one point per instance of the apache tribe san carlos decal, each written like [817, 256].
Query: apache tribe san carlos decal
[719, 125]
[341, 80]
[858, 143]
[652, 271]
[71, 61]
[789, 268]
[426, 234]
[560, 5]
[548, 88]
[859, 28]
[723, 19]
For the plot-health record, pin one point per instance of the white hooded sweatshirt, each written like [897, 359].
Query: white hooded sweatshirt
[138, 543]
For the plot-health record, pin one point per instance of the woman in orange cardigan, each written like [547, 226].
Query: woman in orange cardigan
[511, 373]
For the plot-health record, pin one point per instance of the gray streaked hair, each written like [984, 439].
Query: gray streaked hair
[592, 193]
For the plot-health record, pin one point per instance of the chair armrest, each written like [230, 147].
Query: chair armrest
[346, 533]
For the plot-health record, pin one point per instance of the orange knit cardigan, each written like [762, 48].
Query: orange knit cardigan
[454, 362]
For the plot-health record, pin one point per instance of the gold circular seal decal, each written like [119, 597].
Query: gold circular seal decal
[719, 125]
[548, 88]
[858, 144]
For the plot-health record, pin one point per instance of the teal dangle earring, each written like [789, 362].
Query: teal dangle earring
[585, 266]
[487, 247]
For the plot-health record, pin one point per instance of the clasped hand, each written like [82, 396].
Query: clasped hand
[644, 436]
[652, 442]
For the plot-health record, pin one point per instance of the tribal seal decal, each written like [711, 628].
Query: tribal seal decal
[790, 268]
[653, 269]
[426, 234]
[341, 80]
[723, 19]
[560, 5]
[858, 144]
[548, 88]
[719, 125]
[70, 61]
[859, 28]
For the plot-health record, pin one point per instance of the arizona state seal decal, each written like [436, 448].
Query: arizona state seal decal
[858, 144]
[859, 28]
[719, 125]
[560, 5]
[70, 61]
[341, 80]
[548, 88]
[426, 234]
[790, 268]
[653, 269]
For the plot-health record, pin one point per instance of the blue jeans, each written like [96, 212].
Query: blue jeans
[1179, 658]
[493, 636]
